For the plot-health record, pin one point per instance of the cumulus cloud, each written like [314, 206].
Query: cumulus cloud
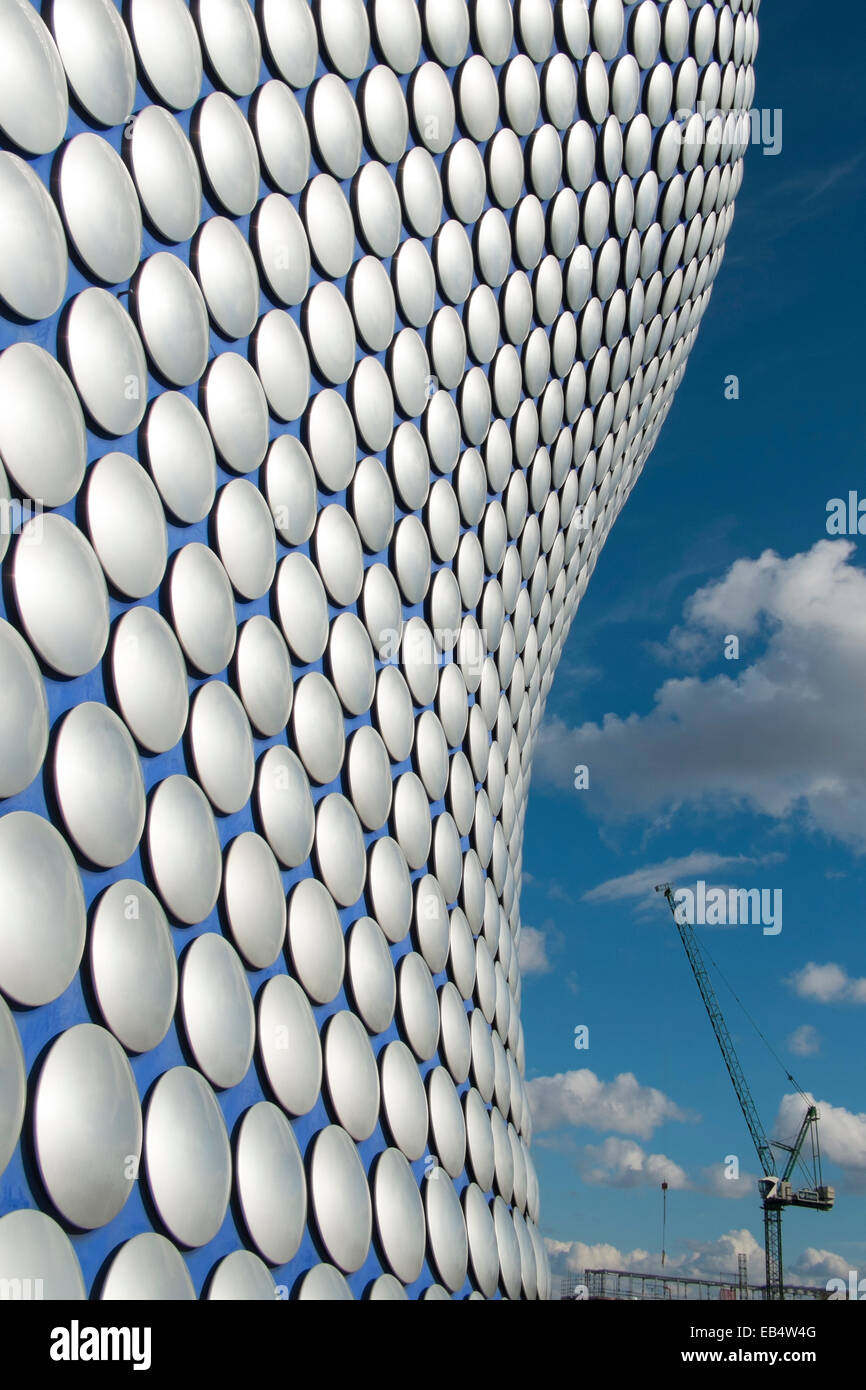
[781, 735]
[695, 1260]
[532, 952]
[578, 1098]
[842, 1132]
[574, 1256]
[817, 1266]
[623, 1163]
[805, 1041]
[827, 984]
[715, 1258]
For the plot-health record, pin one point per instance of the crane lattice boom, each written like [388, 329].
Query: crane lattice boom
[776, 1192]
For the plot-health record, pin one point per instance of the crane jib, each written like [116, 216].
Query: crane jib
[776, 1192]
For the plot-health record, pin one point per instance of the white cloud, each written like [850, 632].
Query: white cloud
[623, 1163]
[718, 1258]
[532, 952]
[716, 1183]
[828, 984]
[782, 736]
[574, 1256]
[696, 1260]
[842, 1132]
[580, 1098]
[817, 1266]
[805, 1041]
[690, 866]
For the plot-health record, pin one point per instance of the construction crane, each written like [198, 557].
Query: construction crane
[776, 1192]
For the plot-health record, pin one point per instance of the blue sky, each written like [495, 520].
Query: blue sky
[750, 773]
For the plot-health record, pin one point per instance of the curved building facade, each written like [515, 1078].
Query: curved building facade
[334, 339]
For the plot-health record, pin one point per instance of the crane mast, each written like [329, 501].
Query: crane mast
[776, 1192]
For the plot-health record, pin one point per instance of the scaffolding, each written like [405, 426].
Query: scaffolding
[625, 1285]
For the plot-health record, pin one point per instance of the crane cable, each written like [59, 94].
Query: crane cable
[808, 1099]
[797, 1087]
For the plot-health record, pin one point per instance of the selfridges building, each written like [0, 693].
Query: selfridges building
[335, 338]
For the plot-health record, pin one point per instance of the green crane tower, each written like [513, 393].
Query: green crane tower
[776, 1192]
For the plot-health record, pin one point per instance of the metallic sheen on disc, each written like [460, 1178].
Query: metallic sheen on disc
[187, 1156]
[447, 1126]
[168, 49]
[172, 317]
[316, 940]
[228, 154]
[87, 1125]
[389, 887]
[399, 1215]
[254, 899]
[371, 974]
[231, 41]
[30, 1240]
[404, 1102]
[245, 538]
[217, 1009]
[369, 774]
[148, 1268]
[126, 524]
[61, 594]
[34, 103]
[285, 806]
[33, 263]
[100, 208]
[24, 731]
[271, 1185]
[340, 849]
[184, 849]
[99, 785]
[264, 675]
[43, 932]
[97, 56]
[42, 434]
[107, 361]
[237, 412]
[241, 1276]
[13, 1085]
[483, 1250]
[222, 746]
[324, 1283]
[181, 456]
[150, 681]
[446, 1229]
[351, 1075]
[289, 1044]
[317, 723]
[202, 608]
[419, 1007]
[166, 173]
[132, 964]
[340, 1198]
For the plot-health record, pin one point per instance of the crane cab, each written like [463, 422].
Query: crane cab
[774, 1190]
